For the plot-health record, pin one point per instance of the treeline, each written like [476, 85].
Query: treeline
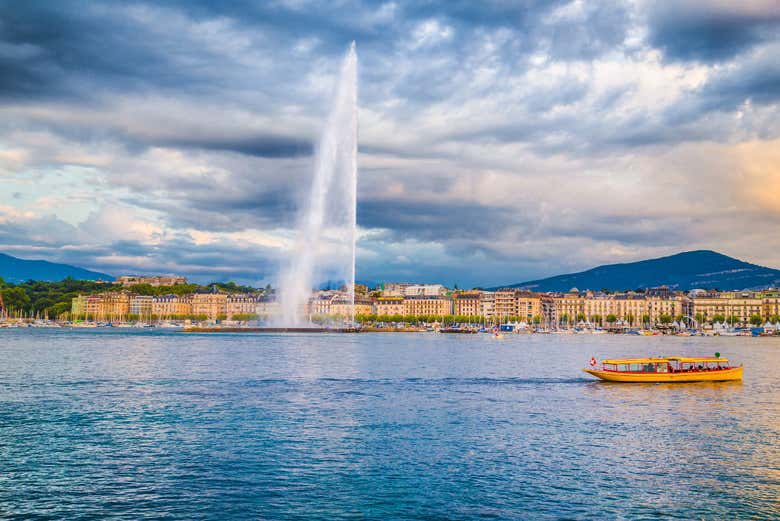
[40, 298]
[52, 299]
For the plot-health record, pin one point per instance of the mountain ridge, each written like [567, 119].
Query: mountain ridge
[16, 270]
[682, 271]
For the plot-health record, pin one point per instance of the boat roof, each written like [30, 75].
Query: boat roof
[662, 360]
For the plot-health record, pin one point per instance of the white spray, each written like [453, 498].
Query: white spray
[327, 232]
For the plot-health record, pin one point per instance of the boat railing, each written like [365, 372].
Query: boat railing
[613, 368]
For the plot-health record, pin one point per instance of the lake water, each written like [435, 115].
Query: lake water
[112, 424]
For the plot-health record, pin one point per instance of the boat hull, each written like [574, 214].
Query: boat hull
[725, 375]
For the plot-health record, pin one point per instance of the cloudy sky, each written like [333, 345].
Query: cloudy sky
[498, 143]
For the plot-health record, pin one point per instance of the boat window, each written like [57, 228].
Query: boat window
[661, 368]
[623, 367]
[636, 368]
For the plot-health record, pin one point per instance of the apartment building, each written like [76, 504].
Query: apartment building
[740, 305]
[212, 305]
[389, 306]
[141, 305]
[172, 306]
[427, 305]
[468, 303]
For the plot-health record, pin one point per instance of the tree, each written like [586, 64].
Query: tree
[564, 319]
[596, 319]
[699, 318]
[755, 320]
[629, 318]
[245, 317]
[581, 317]
[59, 309]
[719, 318]
[15, 299]
[646, 319]
[665, 319]
[611, 318]
[144, 289]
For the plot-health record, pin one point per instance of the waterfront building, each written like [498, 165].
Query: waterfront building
[505, 303]
[389, 306]
[363, 305]
[510, 302]
[172, 306]
[674, 306]
[771, 304]
[714, 306]
[341, 306]
[467, 303]
[107, 306]
[154, 280]
[320, 303]
[211, 305]
[568, 308]
[597, 306]
[630, 308]
[427, 305]
[240, 304]
[141, 306]
[487, 304]
[548, 317]
[529, 306]
[267, 306]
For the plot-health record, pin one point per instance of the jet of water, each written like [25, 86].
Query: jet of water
[325, 244]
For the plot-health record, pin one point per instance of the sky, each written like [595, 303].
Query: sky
[499, 142]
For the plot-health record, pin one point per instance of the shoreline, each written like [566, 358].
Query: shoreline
[370, 329]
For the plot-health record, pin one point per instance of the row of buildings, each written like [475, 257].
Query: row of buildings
[124, 305]
[657, 305]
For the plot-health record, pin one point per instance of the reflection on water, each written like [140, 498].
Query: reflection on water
[135, 425]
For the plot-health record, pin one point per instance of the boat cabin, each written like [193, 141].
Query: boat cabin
[665, 365]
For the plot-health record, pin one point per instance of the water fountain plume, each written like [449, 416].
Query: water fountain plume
[327, 231]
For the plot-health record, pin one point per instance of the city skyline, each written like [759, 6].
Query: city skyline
[497, 144]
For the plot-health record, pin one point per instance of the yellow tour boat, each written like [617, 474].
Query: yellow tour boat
[666, 369]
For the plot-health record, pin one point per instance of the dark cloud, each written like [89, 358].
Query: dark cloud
[711, 31]
[259, 146]
[756, 80]
[73, 49]
[435, 219]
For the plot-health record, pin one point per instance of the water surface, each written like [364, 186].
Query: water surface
[135, 425]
